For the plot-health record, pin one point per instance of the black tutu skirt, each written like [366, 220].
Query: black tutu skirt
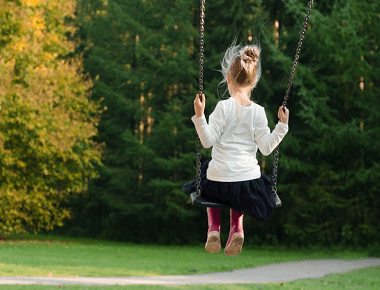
[252, 196]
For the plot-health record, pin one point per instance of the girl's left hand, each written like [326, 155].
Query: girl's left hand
[283, 114]
[199, 106]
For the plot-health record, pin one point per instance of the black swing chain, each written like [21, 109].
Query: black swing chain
[290, 83]
[201, 62]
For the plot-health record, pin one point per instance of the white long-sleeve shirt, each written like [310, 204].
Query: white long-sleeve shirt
[235, 132]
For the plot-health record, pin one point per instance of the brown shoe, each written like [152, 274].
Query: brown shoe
[213, 242]
[235, 245]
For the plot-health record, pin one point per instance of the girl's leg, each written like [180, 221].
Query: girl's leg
[236, 237]
[213, 215]
[213, 234]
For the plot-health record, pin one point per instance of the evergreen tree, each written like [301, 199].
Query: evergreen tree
[141, 55]
[144, 59]
[328, 160]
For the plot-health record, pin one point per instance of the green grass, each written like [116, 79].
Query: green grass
[366, 279]
[44, 256]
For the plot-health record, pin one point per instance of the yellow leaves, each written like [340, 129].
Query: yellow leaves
[41, 31]
[10, 63]
[38, 23]
[32, 209]
[21, 163]
[46, 120]
[20, 46]
[31, 3]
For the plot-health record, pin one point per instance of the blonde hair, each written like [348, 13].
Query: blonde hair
[243, 64]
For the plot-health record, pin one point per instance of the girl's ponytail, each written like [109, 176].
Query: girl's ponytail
[242, 63]
[244, 68]
[251, 54]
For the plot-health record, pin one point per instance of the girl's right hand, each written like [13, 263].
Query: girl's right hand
[199, 106]
[283, 114]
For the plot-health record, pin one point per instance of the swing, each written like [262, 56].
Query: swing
[196, 198]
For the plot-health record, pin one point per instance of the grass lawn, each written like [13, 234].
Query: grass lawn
[366, 279]
[60, 257]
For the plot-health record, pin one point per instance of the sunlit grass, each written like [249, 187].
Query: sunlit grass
[67, 271]
[51, 256]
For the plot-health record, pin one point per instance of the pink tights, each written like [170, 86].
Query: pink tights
[236, 221]
[213, 215]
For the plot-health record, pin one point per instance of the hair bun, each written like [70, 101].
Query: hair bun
[250, 55]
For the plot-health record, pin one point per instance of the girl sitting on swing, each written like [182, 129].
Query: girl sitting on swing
[237, 127]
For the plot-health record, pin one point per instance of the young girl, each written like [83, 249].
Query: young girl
[237, 128]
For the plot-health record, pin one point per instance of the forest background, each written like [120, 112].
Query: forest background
[96, 99]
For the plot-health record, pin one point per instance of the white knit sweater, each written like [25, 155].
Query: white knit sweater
[235, 132]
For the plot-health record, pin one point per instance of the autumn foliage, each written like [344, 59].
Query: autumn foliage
[47, 120]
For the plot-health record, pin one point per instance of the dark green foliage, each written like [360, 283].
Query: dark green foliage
[329, 165]
[142, 55]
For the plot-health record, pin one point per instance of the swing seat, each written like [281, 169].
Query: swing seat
[278, 200]
[202, 202]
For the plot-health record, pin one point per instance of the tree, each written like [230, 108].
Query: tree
[330, 173]
[143, 57]
[47, 119]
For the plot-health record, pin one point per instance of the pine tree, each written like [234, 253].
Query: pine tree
[328, 158]
[144, 59]
[141, 55]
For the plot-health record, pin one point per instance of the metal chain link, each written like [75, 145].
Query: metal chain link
[201, 46]
[290, 83]
[201, 63]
